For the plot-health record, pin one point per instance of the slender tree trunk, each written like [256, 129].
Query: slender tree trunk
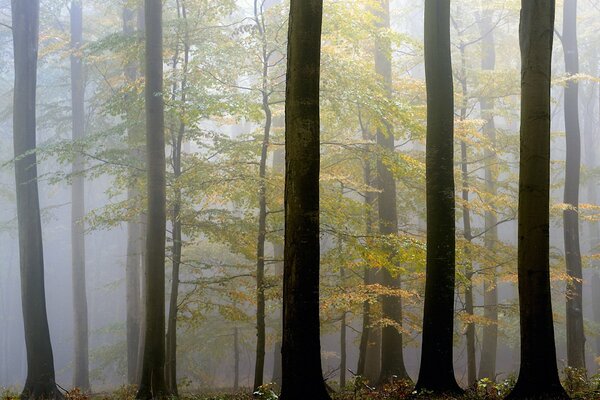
[392, 359]
[489, 342]
[538, 376]
[343, 344]
[278, 167]
[301, 349]
[437, 371]
[134, 242]
[574, 307]
[40, 381]
[152, 384]
[81, 378]
[259, 366]
[369, 360]
[236, 359]
[178, 137]
[467, 233]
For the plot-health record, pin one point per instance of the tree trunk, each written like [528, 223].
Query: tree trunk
[467, 233]
[40, 381]
[134, 242]
[369, 360]
[152, 384]
[392, 359]
[301, 349]
[259, 366]
[538, 376]
[177, 146]
[81, 378]
[437, 371]
[343, 345]
[574, 307]
[278, 167]
[489, 342]
[236, 359]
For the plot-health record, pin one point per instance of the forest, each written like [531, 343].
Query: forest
[299, 199]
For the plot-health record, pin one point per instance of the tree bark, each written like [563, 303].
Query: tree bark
[392, 359]
[152, 384]
[538, 375]
[437, 371]
[40, 381]
[489, 342]
[301, 349]
[574, 296]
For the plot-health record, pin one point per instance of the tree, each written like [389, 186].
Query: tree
[152, 384]
[81, 378]
[574, 307]
[538, 375]
[392, 359]
[134, 230]
[302, 376]
[489, 342]
[40, 383]
[178, 132]
[437, 372]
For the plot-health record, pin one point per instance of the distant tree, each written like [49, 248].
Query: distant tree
[133, 265]
[81, 378]
[392, 359]
[489, 341]
[437, 372]
[40, 383]
[152, 384]
[538, 375]
[574, 310]
[301, 351]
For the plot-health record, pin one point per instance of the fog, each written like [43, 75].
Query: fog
[215, 92]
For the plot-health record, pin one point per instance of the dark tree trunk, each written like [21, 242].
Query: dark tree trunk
[538, 376]
[40, 381]
[489, 342]
[81, 378]
[152, 384]
[259, 367]
[134, 240]
[437, 372]
[301, 349]
[392, 359]
[574, 307]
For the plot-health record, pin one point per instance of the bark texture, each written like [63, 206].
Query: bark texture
[301, 349]
[538, 375]
[437, 372]
[152, 384]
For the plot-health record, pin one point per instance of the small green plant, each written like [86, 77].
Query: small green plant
[575, 381]
[266, 392]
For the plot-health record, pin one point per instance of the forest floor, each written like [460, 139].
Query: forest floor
[578, 386]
